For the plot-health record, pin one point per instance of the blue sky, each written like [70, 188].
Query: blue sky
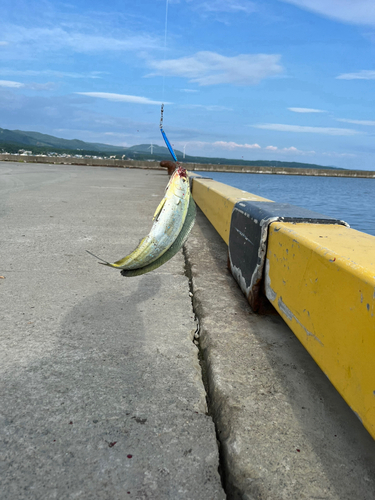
[288, 80]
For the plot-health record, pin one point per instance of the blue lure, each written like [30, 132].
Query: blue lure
[165, 137]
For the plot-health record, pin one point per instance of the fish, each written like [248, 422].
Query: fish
[169, 219]
[173, 249]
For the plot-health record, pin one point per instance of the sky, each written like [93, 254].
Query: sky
[287, 80]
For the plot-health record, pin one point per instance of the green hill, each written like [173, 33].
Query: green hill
[43, 140]
[13, 140]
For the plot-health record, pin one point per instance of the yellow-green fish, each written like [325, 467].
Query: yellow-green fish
[173, 249]
[168, 219]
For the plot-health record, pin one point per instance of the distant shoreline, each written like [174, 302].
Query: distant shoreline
[314, 172]
[367, 174]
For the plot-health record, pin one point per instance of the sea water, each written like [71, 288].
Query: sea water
[345, 198]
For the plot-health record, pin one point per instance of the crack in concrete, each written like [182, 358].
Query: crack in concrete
[202, 364]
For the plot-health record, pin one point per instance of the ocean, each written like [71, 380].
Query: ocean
[345, 198]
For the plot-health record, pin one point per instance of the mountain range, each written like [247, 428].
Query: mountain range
[13, 140]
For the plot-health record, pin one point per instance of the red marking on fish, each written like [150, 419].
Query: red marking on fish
[181, 172]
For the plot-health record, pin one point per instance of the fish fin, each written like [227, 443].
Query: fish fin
[159, 209]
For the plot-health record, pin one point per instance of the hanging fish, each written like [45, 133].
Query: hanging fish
[169, 220]
[173, 249]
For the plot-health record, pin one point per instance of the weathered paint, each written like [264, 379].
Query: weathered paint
[321, 279]
[216, 200]
[248, 241]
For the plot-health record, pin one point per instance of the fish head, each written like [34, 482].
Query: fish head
[179, 183]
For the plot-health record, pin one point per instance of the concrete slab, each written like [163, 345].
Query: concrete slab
[285, 432]
[101, 389]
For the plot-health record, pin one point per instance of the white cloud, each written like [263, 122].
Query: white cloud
[121, 98]
[10, 84]
[50, 73]
[212, 107]
[291, 149]
[2, 44]
[188, 90]
[220, 144]
[117, 134]
[311, 130]
[338, 155]
[234, 145]
[211, 68]
[347, 11]
[40, 86]
[306, 110]
[56, 38]
[235, 6]
[364, 74]
[32, 86]
[370, 123]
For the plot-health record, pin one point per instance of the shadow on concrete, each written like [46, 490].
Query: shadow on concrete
[62, 413]
[113, 409]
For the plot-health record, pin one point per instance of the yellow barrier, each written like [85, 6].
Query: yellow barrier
[216, 200]
[321, 280]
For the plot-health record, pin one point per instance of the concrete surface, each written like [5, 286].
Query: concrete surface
[191, 166]
[285, 432]
[101, 389]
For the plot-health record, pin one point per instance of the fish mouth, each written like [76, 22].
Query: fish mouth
[181, 172]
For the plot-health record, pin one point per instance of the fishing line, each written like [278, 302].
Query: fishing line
[165, 46]
[169, 146]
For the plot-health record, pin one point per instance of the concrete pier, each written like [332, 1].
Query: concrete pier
[205, 167]
[103, 391]
[101, 388]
